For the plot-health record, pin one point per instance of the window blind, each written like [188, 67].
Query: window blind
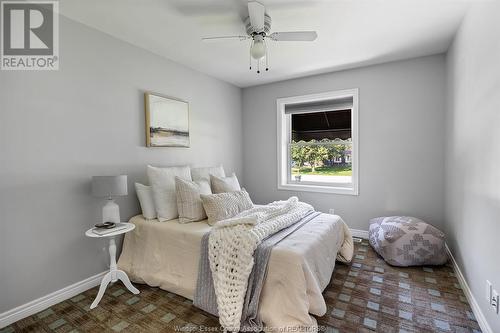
[320, 106]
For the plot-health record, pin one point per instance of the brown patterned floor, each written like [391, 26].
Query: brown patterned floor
[367, 296]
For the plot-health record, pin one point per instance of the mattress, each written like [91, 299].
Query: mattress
[166, 255]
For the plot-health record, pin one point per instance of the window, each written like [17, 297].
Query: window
[318, 142]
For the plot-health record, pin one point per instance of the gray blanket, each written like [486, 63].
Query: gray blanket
[204, 297]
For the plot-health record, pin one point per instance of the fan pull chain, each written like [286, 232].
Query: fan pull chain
[250, 56]
[267, 57]
[258, 66]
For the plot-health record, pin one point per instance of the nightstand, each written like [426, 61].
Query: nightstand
[114, 273]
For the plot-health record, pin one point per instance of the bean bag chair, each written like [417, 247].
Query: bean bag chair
[407, 241]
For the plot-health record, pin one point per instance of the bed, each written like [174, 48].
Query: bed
[166, 255]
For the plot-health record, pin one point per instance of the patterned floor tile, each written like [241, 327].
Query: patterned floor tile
[78, 298]
[168, 317]
[56, 324]
[373, 306]
[338, 313]
[404, 299]
[119, 292]
[45, 313]
[367, 296]
[438, 307]
[349, 284]
[133, 300]
[353, 273]
[120, 326]
[8, 329]
[370, 323]
[430, 280]
[404, 285]
[442, 325]
[344, 297]
[149, 308]
[434, 292]
[405, 315]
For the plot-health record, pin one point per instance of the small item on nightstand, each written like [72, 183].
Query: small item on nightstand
[105, 225]
[104, 231]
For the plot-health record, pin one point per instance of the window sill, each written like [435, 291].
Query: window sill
[318, 189]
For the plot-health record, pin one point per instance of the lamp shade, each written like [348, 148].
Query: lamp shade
[109, 186]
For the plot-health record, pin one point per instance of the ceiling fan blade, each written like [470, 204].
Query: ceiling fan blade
[221, 38]
[256, 12]
[299, 36]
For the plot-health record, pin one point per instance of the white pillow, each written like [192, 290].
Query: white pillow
[162, 181]
[222, 206]
[145, 196]
[224, 184]
[204, 173]
[189, 203]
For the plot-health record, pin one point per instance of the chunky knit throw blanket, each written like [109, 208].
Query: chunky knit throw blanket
[204, 296]
[231, 246]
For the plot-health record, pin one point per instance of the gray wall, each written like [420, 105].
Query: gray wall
[59, 128]
[401, 112]
[473, 151]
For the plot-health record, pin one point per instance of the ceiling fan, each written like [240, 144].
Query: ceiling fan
[258, 27]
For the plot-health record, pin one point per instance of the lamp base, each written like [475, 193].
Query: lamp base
[111, 212]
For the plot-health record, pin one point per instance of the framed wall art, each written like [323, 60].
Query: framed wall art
[167, 121]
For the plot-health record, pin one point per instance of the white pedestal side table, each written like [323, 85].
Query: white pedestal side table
[114, 273]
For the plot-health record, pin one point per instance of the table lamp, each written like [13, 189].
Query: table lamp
[109, 187]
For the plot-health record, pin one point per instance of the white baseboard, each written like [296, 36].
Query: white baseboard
[481, 319]
[47, 301]
[359, 233]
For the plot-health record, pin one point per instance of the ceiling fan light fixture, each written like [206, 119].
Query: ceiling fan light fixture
[258, 28]
[258, 50]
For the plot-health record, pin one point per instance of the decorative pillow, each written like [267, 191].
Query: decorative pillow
[407, 241]
[145, 195]
[224, 184]
[222, 206]
[189, 202]
[162, 181]
[204, 173]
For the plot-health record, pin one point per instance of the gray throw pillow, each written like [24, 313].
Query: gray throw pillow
[222, 206]
[189, 203]
[224, 184]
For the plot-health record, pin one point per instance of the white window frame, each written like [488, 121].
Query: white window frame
[283, 140]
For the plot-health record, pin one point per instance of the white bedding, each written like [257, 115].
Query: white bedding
[166, 255]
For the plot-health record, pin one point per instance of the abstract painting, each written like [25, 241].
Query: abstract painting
[167, 121]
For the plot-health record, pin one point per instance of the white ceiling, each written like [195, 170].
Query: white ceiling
[351, 33]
